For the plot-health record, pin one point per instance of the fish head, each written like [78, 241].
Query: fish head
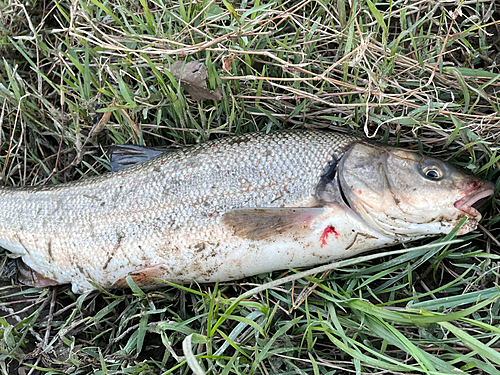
[402, 193]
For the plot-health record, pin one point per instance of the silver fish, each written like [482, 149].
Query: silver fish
[234, 207]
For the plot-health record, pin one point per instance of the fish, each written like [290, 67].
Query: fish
[234, 207]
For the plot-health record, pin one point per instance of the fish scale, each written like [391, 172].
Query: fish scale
[164, 216]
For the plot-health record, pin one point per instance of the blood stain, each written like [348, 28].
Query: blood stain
[328, 230]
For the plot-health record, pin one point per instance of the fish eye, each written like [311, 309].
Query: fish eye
[432, 174]
[431, 170]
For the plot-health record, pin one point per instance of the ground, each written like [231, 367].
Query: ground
[79, 76]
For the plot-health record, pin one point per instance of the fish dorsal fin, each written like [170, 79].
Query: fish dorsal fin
[261, 223]
[124, 156]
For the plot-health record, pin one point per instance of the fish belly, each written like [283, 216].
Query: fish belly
[213, 254]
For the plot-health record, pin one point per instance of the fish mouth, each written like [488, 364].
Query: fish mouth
[474, 200]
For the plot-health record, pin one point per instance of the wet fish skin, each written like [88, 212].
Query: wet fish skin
[231, 208]
[162, 211]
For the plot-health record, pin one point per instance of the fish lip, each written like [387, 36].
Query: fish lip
[472, 197]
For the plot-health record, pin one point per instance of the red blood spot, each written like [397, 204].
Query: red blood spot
[161, 162]
[211, 215]
[328, 230]
[284, 187]
[359, 192]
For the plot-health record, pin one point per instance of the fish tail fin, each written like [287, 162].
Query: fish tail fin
[8, 269]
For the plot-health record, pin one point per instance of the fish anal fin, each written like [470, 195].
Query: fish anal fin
[28, 276]
[261, 223]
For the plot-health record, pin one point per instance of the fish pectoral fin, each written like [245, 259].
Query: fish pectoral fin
[124, 156]
[28, 276]
[261, 223]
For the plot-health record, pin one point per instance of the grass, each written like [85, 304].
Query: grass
[79, 76]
